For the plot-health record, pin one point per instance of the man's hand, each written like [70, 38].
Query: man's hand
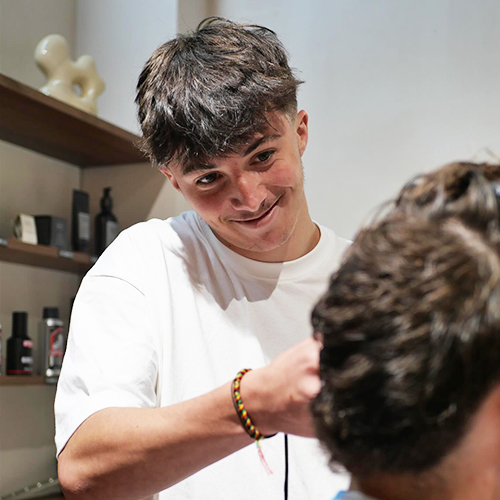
[277, 397]
[130, 453]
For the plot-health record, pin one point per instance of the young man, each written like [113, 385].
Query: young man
[174, 309]
[410, 401]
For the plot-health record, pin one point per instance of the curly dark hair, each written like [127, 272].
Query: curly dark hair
[410, 326]
[206, 93]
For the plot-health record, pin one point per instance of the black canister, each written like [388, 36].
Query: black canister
[19, 347]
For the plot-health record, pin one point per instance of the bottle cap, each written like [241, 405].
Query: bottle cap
[106, 200]
[50, 312]
[19, 324]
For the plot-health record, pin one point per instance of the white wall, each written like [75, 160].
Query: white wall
[393, 87]
[23, 23]
[121, 35]
[191, 12]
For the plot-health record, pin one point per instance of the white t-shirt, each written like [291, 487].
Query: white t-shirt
[169, 313]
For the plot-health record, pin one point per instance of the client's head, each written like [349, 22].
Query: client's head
[410, 326]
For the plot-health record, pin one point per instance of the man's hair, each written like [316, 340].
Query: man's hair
[411, 326]
[207, 93]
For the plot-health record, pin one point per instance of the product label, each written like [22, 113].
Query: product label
[26, 360]
[22, 361]
[83, 226]
[111, 231]
[25, 229]
[56, 347]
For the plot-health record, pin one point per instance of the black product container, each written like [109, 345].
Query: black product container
[80, 222]
[106, 224]
[19, 347]
[52, 231]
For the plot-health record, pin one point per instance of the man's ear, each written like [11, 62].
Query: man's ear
[301, 127]
[170, 176]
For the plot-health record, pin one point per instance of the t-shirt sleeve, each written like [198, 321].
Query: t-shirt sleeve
[112, 355]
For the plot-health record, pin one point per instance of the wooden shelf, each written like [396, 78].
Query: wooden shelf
[47, 257]
[41, 123]
[22, 380]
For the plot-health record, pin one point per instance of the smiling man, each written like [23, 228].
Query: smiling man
[154, 395]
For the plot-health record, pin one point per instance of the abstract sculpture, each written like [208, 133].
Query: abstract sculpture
[63, 74]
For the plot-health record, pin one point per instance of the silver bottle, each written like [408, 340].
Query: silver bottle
[52, 344]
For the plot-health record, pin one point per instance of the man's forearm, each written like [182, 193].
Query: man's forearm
[130, 453]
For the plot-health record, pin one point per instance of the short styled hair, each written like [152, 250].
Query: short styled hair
[207, 93]
[410, 326]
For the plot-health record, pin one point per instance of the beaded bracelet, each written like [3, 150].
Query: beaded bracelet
[245, 419]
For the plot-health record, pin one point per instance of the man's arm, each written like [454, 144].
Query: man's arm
[130, 453]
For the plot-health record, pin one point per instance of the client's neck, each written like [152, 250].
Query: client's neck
[484, 486]
[470, 471]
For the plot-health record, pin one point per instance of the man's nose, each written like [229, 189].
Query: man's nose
[249, 192]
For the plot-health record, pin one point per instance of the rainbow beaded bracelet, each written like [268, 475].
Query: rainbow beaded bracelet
[245, 419]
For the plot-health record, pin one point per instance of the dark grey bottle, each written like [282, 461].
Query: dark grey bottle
[106, 224]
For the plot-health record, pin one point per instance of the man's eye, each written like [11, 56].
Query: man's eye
[265, 156]
[206, 180]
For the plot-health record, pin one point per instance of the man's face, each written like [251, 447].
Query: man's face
[254, 200]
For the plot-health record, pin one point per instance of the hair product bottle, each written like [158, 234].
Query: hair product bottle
[80, 223]
[106, 224]
[19, 347]
[52, 343]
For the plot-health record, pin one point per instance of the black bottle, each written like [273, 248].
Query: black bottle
[19, 347]
[106, 224]
[80, 222]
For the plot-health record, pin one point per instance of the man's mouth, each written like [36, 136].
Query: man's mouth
[254, 219]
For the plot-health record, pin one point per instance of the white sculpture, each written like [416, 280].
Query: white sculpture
[63, 74]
